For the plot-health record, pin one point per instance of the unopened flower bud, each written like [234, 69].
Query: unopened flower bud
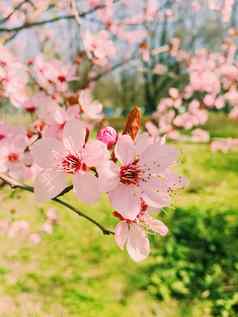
[108, 136]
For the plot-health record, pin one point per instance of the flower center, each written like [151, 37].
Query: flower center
[30, 108]
[130, 174]
[61, 78]
[13, 157]
[72, 164]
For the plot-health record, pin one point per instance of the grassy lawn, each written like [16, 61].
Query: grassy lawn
[79, 272]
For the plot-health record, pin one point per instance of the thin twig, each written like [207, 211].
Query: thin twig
[16, 8]
[81, 214]
[52, 20]
[75, 11]
[14, 184]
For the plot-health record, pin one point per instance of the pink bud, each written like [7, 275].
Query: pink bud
[108, 136]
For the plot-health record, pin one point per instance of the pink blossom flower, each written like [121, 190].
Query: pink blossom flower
[53, 116]
[209, 100]
[174, 93]
[91, 108]
[72, 156]
[132, 234]
[108, 136]
[14, 78]
[52, 75]
[12, 155]
[99, 47]
[142, 173]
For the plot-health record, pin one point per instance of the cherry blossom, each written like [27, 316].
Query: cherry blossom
[99, 47]
[143, 173]
[132, 233]
[12, 153]
[52, 75]
[91, 108]
[73, 156]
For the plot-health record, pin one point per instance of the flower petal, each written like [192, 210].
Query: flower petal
[126, 200]
[121, 234]
[108, 176]
[158, 157]
[74, 135]
[138, 245]
[153, 197]
[125, 149]
[95, 153]
[86, 187]
[143, 140]
[175, 181]
[46, 152]
[48, 184]
[156, 225]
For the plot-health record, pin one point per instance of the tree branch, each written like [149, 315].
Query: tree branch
[52, 20]
[35, 24]
[16, 8]
[17, 185]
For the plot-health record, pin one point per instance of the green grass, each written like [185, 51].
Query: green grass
[220, 126]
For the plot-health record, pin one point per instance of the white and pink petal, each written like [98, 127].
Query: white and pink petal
[49, 184]
[108, 176]
[74, 135]
[125, 150]
[95, 153]
[126, 200]
[156, 225]
[86, 187]
[121, 234]
[47, 152]
[138, 245]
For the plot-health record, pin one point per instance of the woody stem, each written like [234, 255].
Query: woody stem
[14, 184]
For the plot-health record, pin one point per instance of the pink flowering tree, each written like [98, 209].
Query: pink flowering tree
[57, 152]
[210, 84]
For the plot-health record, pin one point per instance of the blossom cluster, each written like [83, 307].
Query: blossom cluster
[137, 175]
[59, 151]
[211, 85]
